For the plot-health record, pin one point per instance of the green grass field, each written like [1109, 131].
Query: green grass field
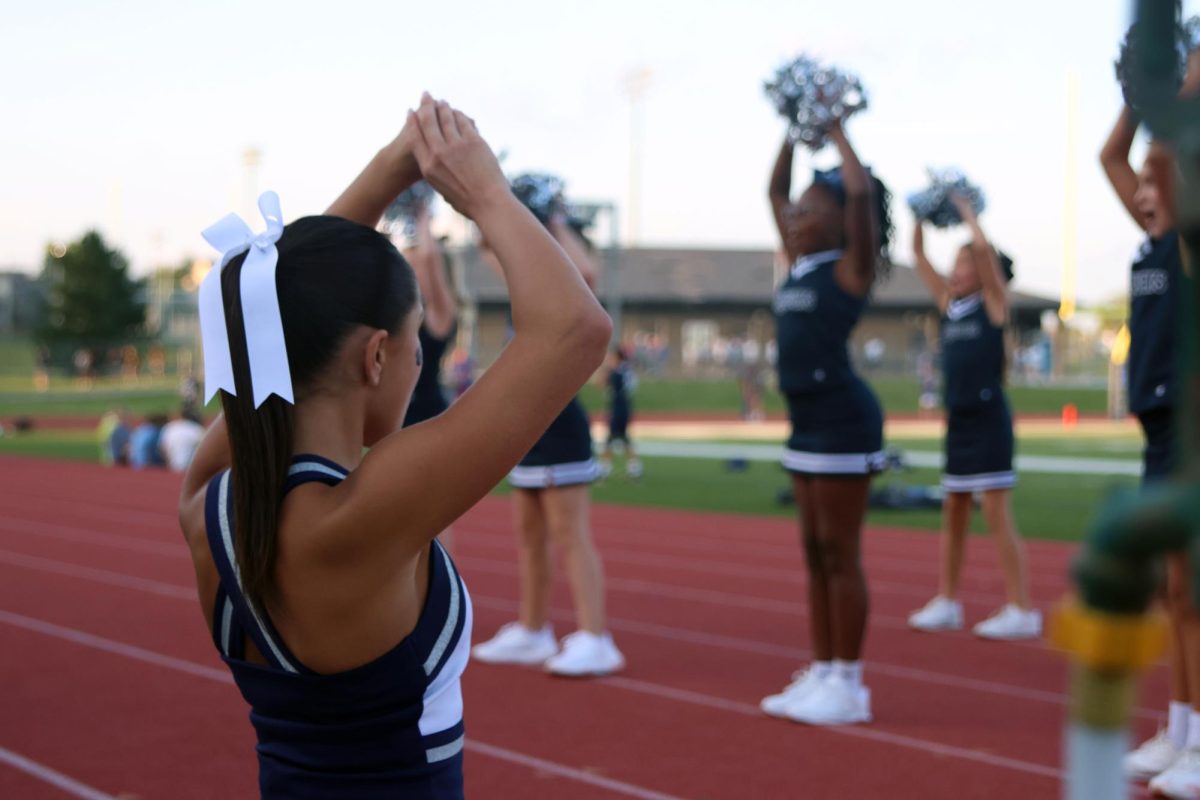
[1047, 506]
[898, 395]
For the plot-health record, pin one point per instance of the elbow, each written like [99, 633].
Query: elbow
[588, 338]
[1110, 156]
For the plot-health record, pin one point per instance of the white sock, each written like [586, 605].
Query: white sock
[822, 669]
[1193, 737]
[1177, 723]
[851, 672]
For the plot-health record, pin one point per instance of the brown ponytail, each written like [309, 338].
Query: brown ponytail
[332, 276]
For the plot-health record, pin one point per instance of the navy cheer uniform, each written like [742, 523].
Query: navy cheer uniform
[1153, 318]
[390, 728]
[620, 386]
[428, 399]
[979, 425]
[837, 424]
[563, 456]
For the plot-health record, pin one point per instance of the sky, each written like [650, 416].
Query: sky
[132, 117]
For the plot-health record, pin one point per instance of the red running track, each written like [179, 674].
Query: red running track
[112, 686]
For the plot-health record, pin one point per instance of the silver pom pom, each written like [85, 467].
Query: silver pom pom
[811, 96]
[402, 213]
[541, 193]
[1187, 40]
[582, 217]
[934, 205]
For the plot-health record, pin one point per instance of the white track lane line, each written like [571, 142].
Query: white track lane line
[643, 687]
[222, 676]
[793, 655]
[51, 776]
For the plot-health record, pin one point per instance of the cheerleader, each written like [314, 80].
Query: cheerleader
[552, 504]
[835, 236]
[974, 305]
[621, 382]
[344, 623]
[429, 263]
[1172, 757]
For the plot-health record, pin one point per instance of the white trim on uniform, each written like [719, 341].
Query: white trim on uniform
[834, 463]
[314, 466]
[553, 475]
[982, 482]
[443, 640]
[227, 540]
[961, 307]
[436, 754]
[809, 263]
[226, 623]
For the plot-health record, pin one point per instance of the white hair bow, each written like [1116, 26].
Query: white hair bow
[269, 369]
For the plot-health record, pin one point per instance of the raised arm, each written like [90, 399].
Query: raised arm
[780, 191]
[428, 262]
[213, 456]
[932, 279]
[575, 248]
[390, 172]
[418, 480]
[991, 276]
[1114, 157]
[856, 271]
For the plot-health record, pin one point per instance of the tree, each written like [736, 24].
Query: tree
[90, 299]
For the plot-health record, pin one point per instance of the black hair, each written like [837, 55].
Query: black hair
[1002, 258]
[1006, 264]
[333, 275]
[831, 180]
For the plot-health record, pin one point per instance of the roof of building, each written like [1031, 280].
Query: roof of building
[675, 276]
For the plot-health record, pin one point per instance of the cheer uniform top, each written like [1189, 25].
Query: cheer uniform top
[390, 728]
[1153, 320]
[837, 423]
[979, 425]
[620, 386]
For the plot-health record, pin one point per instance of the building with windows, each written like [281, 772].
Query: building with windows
[692, 311]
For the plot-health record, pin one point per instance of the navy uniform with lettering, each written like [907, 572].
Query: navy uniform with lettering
[1154, 292]
[979, 425]
[837, 423]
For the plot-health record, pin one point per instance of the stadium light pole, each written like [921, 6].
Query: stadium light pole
[637, 81]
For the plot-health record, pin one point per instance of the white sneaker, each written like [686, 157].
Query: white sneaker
[939, 614]
[516, 644]
[1011, 622]
[586, 654]
[1153, 757]
[1182, 780]
[834, 702]
[633, 469]
[804, 682]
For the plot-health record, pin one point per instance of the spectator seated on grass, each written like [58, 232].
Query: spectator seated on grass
[113, 435]
[179, 439]
[144, 449]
